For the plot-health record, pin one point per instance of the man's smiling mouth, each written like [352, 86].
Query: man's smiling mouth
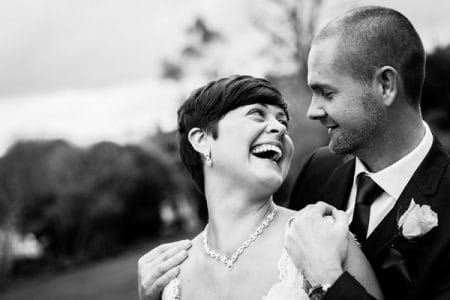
[331, 128]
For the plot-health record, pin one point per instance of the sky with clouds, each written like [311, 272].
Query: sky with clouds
[89, 70]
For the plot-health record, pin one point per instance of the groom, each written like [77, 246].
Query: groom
[366, 71]
[383, 166]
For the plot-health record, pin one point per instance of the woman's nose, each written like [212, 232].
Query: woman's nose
[275, 126]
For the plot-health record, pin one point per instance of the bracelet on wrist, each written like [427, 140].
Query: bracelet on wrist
[317, 292]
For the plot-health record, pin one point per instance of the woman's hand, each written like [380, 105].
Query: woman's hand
[316, 240]
[159, 266]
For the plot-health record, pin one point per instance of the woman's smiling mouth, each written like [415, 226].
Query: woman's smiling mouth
[267, 151]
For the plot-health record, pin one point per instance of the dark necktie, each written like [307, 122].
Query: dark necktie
[367, 192]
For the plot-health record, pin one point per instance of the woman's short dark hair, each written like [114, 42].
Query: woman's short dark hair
[207, 105]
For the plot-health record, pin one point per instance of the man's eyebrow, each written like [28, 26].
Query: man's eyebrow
[315, 86]
[319, 86]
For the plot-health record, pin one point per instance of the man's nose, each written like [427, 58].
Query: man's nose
[315, 110]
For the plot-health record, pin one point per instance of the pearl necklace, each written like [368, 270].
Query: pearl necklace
[229, 262]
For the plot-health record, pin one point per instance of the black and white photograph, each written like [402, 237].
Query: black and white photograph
[229, 150]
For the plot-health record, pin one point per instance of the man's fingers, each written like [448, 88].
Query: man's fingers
[156, 269]
[151, 289]
[162, 249]
[159, 266]
[161, 282]
[183, 244]
[166, 278]
[168, 254]
[172, 262]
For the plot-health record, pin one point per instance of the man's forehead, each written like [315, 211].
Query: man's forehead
[325, 50]
[323, 60]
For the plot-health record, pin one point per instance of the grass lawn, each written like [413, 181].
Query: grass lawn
[109, 279]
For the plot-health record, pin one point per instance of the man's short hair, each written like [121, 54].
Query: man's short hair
[208, 104]
[371, 37]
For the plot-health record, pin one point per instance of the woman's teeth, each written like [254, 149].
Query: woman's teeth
[268, 151]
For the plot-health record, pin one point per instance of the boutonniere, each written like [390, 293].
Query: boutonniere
[417, 221]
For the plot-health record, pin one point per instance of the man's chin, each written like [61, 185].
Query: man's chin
[340, 148]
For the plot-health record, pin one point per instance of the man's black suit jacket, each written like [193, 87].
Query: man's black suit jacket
[405, 269]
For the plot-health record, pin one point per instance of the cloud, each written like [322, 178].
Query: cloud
[89, 70]
[124, 113]
[52, 44]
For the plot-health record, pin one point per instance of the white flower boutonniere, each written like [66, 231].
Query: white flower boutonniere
[417, 221]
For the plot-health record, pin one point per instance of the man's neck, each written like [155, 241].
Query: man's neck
[393, 145]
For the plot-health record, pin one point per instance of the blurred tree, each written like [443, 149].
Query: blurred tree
[204, 34]
[290, 24]
[22, 188]
[104, 197]
[81, 203]
[201, 36]
[436, 90]
[200, 39]
[153, 182]
[171, 70]
[167, 143]
[68, 223]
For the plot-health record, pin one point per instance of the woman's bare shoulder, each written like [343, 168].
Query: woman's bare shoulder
[194, 264]
[197, 247]
[285, 213]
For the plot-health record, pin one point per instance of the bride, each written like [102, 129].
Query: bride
[234, 142]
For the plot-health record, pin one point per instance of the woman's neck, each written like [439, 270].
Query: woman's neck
[232, 219]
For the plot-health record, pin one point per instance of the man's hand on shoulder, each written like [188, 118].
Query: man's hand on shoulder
[160, 265]
[316, 239]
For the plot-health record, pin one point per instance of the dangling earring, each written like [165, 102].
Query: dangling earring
[208, 159]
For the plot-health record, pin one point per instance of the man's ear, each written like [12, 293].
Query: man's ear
[199, 140]
[388, 81]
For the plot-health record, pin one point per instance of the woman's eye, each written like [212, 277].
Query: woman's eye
[256, 111]
[284, 122]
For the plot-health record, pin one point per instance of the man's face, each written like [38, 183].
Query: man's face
[350, 110]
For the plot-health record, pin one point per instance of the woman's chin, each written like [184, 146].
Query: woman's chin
[271, 183]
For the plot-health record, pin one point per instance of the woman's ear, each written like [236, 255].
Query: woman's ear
[387, 80]
[199, 140]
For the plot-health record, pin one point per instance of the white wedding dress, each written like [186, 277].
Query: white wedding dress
[289, 286]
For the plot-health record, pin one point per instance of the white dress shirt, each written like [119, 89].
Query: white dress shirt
[392, 179]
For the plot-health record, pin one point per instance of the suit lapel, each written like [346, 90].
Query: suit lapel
[424, 183]
[339, 185]
[387, 230]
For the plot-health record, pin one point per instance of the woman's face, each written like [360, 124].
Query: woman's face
[253, 147]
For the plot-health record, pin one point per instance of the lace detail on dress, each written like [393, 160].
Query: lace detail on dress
[172, 291]
[290, 284]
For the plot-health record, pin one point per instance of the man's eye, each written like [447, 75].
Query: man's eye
[327, 94]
